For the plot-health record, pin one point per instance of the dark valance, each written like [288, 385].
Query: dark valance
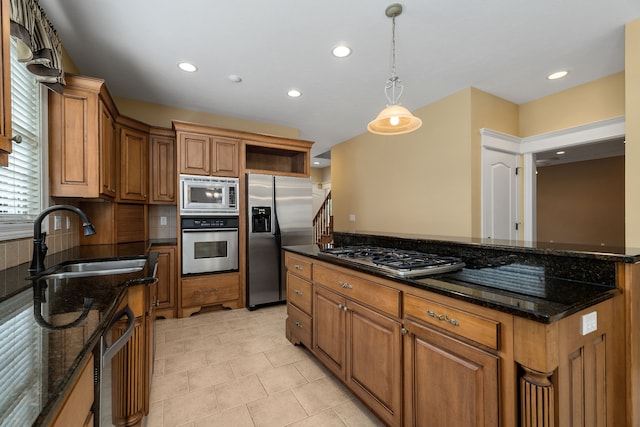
[38, 44]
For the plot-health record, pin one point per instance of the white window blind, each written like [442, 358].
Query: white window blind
[20, 182]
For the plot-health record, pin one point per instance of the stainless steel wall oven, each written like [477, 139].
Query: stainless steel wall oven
[209, 244]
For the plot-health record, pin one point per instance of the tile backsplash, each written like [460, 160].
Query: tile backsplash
[162, 222]
[18, 251]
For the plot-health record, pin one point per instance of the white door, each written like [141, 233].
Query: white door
[499, 195]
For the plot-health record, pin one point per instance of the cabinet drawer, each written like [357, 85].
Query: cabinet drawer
[212, 289]
[299, 325]
[481, 330]
[299, 292]
[298, 265]
[375, 295]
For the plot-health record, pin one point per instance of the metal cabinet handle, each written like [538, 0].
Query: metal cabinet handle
[345, 285]
[17, 139]
[298, 291]
[342, 307]
[298, 267]
[299, 324]
[444, 317]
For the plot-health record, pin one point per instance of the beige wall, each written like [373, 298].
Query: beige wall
[591, 102]
[425, 182]
[582, 202]
[429, 181]
[163, 115]
[632, 150]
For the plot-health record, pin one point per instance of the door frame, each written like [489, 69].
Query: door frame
[528, 148]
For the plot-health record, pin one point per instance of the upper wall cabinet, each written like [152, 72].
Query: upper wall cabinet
[5, 85]
[162, 166]
[82, 137]
[203, 152]
[133, 150]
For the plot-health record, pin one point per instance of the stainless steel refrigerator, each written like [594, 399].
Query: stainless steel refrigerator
[279, 213]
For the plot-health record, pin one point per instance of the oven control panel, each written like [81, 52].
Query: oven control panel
[210, 222]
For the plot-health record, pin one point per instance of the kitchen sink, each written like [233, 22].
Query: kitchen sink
[99, 267]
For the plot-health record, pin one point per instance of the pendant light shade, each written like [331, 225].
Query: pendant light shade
[394, 119]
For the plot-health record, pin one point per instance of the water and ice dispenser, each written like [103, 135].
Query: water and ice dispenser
[261, 219]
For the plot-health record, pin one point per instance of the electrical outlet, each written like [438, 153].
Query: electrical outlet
[57, 222]
[589, 323]
[352, 217]
[163, 220]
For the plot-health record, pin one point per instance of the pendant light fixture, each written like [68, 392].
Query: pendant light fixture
[394, 119]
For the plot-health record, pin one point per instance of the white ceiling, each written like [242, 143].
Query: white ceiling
[504, 47]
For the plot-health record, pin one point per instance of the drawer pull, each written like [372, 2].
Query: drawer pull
[298, 291]
[299, 324]
[444, 317]
[345, 285]
[342, 307]
[298, 267]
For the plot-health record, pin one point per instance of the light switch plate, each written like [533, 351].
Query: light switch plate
[589, 323]
[163, 220]
[68, 223]
[352, 218]
[57, 222]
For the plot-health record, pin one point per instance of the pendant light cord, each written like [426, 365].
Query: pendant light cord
[393, 46]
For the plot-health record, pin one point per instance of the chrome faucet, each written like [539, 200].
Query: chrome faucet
[39, 243]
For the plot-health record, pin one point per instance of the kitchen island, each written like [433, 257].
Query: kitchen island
[52, 328]
[522, 335]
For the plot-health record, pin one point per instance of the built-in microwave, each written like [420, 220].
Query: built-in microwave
[208, 195]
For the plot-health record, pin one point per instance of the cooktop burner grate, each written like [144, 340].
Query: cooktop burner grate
[398, 262]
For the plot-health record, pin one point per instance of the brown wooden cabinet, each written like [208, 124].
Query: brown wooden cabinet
[5, 85]
[162, 166]
[132, 366]
[357, 340]
[222, 289]
[76, 410]
[82, 151]
[448, 383]
[133, 146]
[299, 299]
[205, 154]
[115, 222]
[166, 292]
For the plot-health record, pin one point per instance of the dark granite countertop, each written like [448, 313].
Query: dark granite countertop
[462, 244]
[540, 287]
[43, 316]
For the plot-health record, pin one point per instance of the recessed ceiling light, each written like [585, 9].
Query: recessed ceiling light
[234, 78]
[187, 66]
[294, 93]
[341, 51]
[557, 75]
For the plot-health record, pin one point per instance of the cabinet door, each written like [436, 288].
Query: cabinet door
[166, 272]
[329, 339]
[448, 383]
[134, 161]
[374, 368]
[73, 144]
[225, 157]
[107, 126]
[163, 170]
[195, 153]
[5, 85]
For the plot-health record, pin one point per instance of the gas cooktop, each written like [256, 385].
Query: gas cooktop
[397, 262]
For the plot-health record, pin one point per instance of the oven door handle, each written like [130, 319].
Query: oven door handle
[109, 351]
[206, 230]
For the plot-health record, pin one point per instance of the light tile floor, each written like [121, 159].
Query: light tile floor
[236, 369]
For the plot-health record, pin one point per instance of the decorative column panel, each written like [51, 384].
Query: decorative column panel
[128, 376]
[537, 397]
